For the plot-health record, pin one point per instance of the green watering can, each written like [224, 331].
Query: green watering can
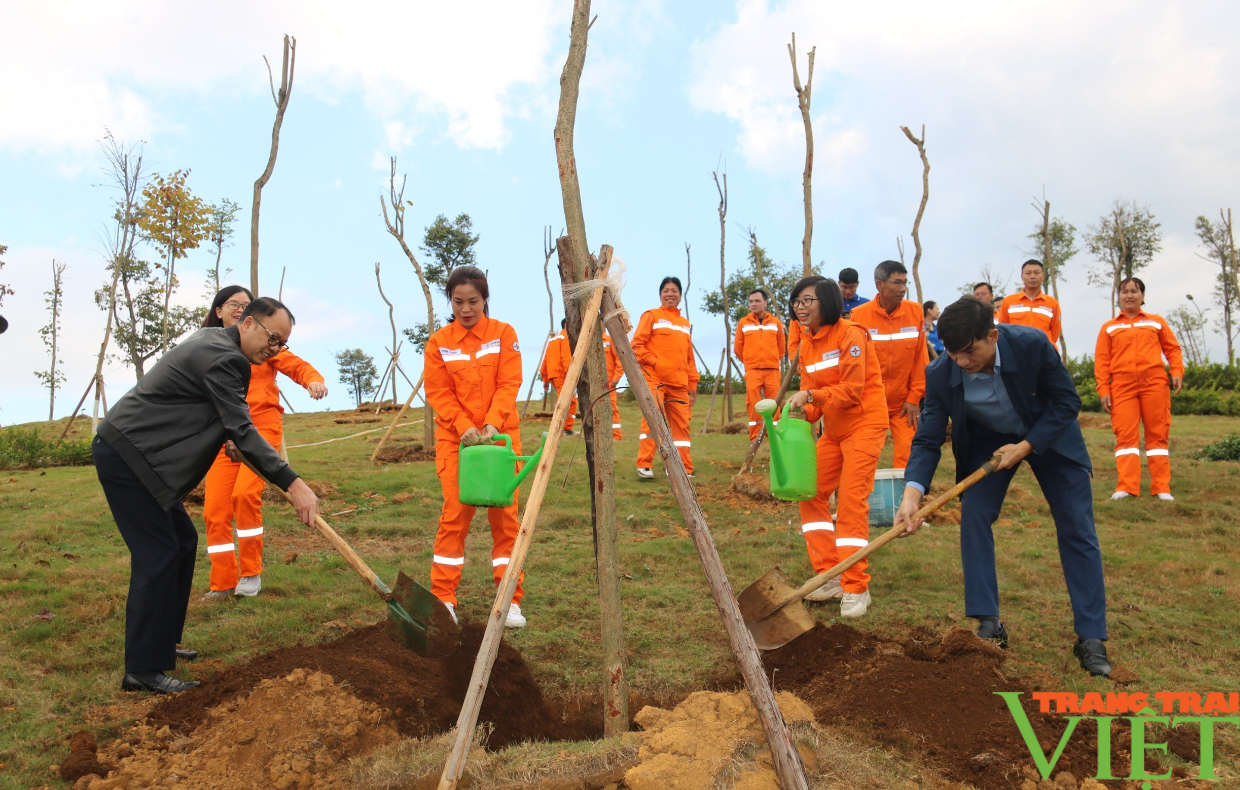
[488, 473]
[794, 457]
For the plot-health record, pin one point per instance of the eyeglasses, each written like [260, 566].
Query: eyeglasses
[236, 305]
[273, 340]
[804, 301]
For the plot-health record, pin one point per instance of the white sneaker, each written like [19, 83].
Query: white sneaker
[855, 604]
[249, 586]
[827, 592]
[515, 618]
[645, 473]
[1118, 495]
[1164, 496]
[218, 595]
[452, 611]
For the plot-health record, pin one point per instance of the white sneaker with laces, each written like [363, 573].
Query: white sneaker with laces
[855, 604]
[515, 619]
[827, 592]
[645, 473]
[452, 611]
[1118, 495]
[1166, 497]
[249, 586]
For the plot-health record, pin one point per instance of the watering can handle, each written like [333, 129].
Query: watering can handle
[507, 440]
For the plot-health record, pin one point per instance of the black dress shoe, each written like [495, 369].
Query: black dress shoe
[186, 655]
[157, 682]
[1093, 657]
[993, 631]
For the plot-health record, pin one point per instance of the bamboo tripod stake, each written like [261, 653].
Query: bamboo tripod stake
[489, 648]
[787, 762]
[399, 414]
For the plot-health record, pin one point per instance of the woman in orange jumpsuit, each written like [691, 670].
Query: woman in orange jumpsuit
[842, 385]
[1132, 382]
[232, 490]
[473, 377]
[663, 344]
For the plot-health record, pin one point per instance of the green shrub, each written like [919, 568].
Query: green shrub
[1225, 449]
[25, 449]
[1208, 389]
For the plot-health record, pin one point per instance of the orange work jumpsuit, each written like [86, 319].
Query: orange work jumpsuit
[473, 379]
[233, 491]
[840, 367]
[900, 342]
[614, 372]
[663, 344]
[1128, 366]
[556, 359]
[759, 346]
[1041, 312]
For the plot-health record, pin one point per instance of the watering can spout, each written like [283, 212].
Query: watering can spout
[767, 408]
[530, 463]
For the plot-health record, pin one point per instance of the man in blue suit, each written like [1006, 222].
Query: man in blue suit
[1008, 394]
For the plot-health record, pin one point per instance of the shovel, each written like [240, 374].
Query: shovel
[416, 618]
[772, 608]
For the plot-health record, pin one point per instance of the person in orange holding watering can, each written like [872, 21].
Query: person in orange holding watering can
[759, 344]
[473, 378]
[841, 384]
[1132, 382]
[555, 366]
[233, 492]
[663, 344]
[898, 329]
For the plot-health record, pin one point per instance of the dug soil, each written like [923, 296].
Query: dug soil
[932, 697]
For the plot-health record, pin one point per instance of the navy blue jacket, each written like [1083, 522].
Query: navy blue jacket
[1038, 385]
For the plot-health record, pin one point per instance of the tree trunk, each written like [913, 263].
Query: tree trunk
[392, 320]
[168, 282]
[921, 209]
[803, 101]
[103, 351]
[723, 291]
[281, 100]
[1052, 266]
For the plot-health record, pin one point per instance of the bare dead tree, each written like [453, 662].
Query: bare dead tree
[803, 97]
[281, 100]
[921, 209]
[392, 320]
[688, 277]
[53, 378]
[722, 189]
[900, 247]
[1043, 207]
[395, 223]
[548, 251]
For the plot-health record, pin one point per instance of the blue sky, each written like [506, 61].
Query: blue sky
[1112, 100]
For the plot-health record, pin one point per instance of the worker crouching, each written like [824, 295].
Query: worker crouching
[841, 384]
[663, 344]
[473, 377]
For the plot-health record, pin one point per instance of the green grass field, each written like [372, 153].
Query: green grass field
[1173, 573]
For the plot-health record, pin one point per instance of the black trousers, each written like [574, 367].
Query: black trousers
[163, 546]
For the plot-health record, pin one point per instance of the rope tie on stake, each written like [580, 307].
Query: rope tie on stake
[615, 282]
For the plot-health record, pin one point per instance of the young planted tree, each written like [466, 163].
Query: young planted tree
[392, 321]
[357, 373]
[175, 221]
[722, 189]
[447, 245]
[5, 290]
[281, 100]
[1220, 245]
[221, 218]
[1123, 243]
[1055, 242]
[762, 272]
[1189, 325]
[53, 377]
[688, 278]
[548, 251]
[920, 142]
[803, 97]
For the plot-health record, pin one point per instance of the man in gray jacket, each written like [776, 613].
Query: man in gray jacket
[153, 448]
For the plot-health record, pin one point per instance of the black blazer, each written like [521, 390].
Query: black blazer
[1041, 391]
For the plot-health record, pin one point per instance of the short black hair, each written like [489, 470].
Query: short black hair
[1033, 262]
[765, 295]
[988, 288]
[675, 280]
[963, 321]
[563, 322]
[888, 268]
[928, 306]
[264, 307]
[830, 298]
[221, 298]
[1135, 280]
[849, 276]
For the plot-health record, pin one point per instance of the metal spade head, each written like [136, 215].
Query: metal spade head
[772, 622]
[419, 620]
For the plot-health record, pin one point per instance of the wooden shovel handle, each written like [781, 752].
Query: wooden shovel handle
[891, 534]
[338, 543]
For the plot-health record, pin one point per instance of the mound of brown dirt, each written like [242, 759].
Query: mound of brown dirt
[403, 452]
[753, 485]
[933, 696]
[83, 759]
[297, 731]
[358, 419]
[1094, 420]
[423, 695]
[369, 407]
[735, 427]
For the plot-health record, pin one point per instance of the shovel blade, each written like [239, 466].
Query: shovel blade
[420, 621]
[771, 624]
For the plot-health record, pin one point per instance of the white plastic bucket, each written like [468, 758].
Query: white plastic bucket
[886, 497]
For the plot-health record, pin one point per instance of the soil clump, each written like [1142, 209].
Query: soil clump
[396, 452]
[753, 485]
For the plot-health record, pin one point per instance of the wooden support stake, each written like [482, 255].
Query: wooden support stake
[489, 649]
[779, 404]
[396, 421]
[787, 762]
[713, 392]
[73, 414]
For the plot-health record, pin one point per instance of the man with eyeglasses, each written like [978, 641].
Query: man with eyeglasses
[898, 329]
[154, 446]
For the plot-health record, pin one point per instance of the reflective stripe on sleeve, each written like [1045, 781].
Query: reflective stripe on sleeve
[1046, 311]
[823, 365]
[482, 352]
[895, 336]
[813, 526]
[448, 560]
[220, 548]
[250, 533]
